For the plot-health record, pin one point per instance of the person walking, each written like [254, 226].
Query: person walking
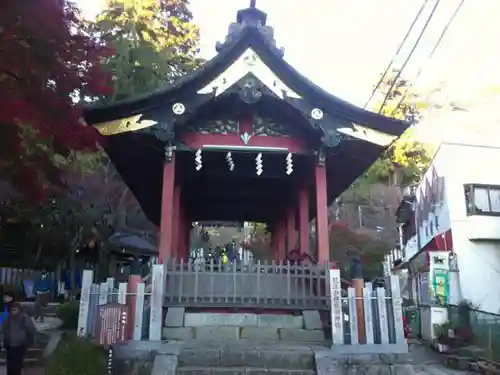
[18, 333]
[43, 288]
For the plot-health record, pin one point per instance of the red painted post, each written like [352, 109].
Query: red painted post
[181, 229]
[291, 238]
[133, 281]
[176, 223]
[321, 215]
[272, 241]
[167, 211]
[188, 225]
[280, 240]
[304, 220]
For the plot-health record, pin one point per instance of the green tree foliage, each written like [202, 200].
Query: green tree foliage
[155, 42]
[407, 157]
[346, 245]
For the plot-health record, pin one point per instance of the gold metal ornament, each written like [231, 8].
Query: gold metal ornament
[123, 125]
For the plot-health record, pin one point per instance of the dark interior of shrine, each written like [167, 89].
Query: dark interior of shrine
[215, 193]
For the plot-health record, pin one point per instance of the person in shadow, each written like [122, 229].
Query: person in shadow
[5, 300]
[18, 333]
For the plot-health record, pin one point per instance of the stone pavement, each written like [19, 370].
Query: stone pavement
[426, 361]
[49, 323]
[195, 360]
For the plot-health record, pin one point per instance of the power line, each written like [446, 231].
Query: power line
[394, 57]
[398, 75]
[429, 57]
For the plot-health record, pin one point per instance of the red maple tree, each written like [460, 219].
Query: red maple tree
[47, 63]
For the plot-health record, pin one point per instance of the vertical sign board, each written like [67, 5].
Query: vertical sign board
[122, 293]
[83, 314]
[157, 289]
[103, 294]
[353, 316]
[336, 308]
[367, 299]
[398, 310]
[382, 316]
[112, 323]
[139, 312]
[111, 284]
[439, 273]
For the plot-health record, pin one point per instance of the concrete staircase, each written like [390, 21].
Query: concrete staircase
[244, 343]
[246, 358]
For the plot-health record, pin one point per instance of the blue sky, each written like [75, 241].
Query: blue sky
[344, 45]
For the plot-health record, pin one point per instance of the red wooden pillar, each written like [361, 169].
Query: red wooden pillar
[272, 241]
[176, 223]
[188, 225]
[291, 238]
[181, 238]
[304, 220]
[167, 211]
[321, 214]
[184, 234]
[280, 240]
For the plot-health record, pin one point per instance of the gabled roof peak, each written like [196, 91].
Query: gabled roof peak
[250, 18]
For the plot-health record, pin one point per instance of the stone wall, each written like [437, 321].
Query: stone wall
[183, 326]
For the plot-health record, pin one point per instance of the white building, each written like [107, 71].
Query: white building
[457, 209]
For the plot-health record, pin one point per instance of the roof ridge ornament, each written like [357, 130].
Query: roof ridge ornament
[251, 17]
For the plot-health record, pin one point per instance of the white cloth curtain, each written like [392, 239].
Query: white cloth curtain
[481, 201]
[495, 199]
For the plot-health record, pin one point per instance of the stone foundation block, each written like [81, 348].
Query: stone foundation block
[202, 357]
[164, 365]
[312, 319]
[217, 333]
[279, 321]
[256, 333]
[219, 320]
[258, 371]
[301, 335]
[238, 357]
[178, 333]
[288, 359]
[175, 317]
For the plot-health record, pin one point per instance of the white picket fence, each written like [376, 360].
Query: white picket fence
[382, 323]
[148, 301]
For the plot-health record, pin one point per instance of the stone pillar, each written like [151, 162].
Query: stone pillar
[304, 220]
[323, 250]
[291, 237]
[167, 209]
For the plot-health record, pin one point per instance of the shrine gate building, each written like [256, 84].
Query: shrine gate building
[243, 138]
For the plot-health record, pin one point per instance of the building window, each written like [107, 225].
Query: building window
[482, 199]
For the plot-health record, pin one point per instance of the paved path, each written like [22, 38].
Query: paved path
[429, 362]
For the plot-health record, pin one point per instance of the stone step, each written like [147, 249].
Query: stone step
[34, 353]
[225, 333]
[268, 357]
[241, 371]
